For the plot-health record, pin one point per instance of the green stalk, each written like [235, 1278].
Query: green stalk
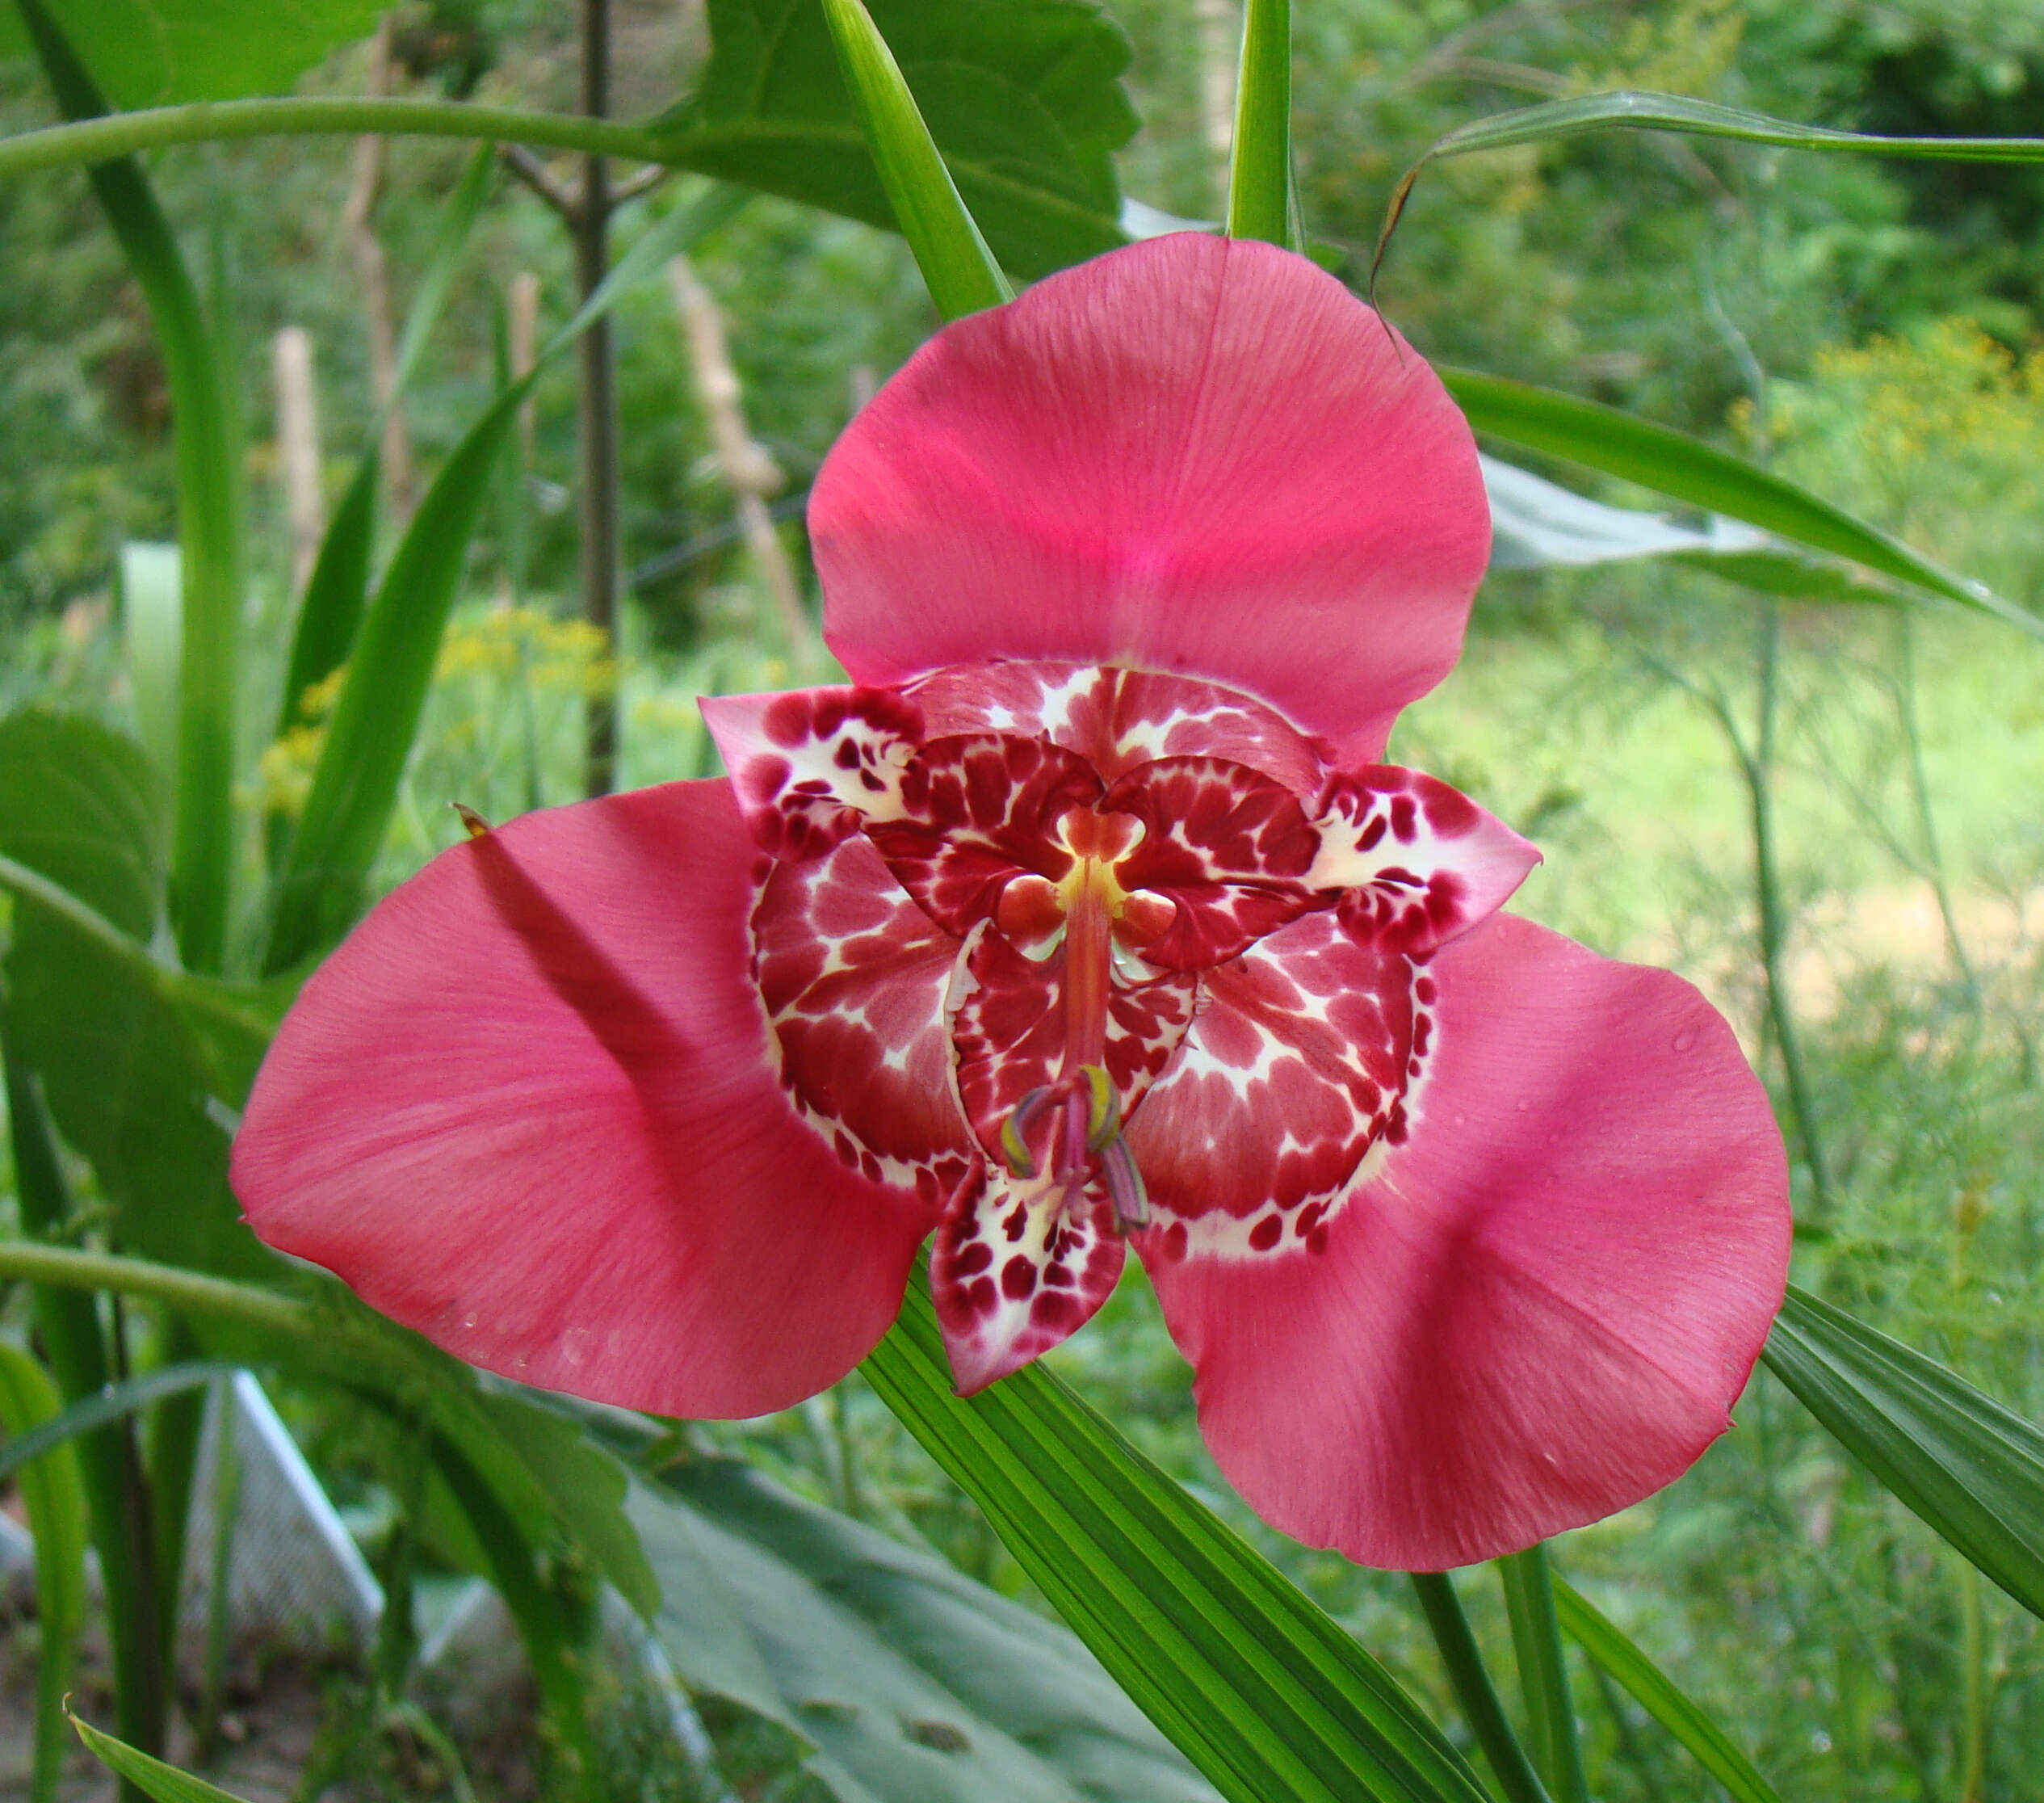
[1261, 204]
[958, 268]
[100, 140]
[1757, 766]
[1973, 1740]
[116, 1497]
[1464, 1664]
[1543, 1676]
[209, 486]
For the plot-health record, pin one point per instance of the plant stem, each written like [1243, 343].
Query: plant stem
[116, 1496]
[1543, 1676]
[1259, 188]
[1758, 766]
[100, 140]
[596, 403]
[1473, 1689]
[1912, 739]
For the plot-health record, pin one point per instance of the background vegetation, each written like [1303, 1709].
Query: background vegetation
[1875, 332]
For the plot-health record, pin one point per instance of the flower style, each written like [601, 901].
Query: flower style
[1087, 917]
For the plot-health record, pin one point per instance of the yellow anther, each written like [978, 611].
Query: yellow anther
[1103, 1113]
[1012, 1149]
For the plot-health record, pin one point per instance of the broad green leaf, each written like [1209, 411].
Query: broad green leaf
[156, 52]
[1544, 1674]
[126, 1079]
[369, 737]
[1271, 1699]
[912, 1682]
[1673, 463]
[89, 1414]
[1260, 199]
[1971, 1469]
[52, 1493]
[957, 267]
[1651, 1689]
[1023, 97]
[208, 453]
[152, 615]
[165, 1783]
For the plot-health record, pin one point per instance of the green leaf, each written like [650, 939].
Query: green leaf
[1260, 203]
[1271, 1699]
[208, 461]
[338, 586]
[89, 1413]
[1971, 1469]
[106, 1028]
[1674, 463]
[585, 1487]
[912, 1682]
[156, 52]
[1649, 1688]
[1629, 109]
[369, 737]
[1023, 97]
[152, 618]
[165, 1782]
[53, 1495]
[957, 267]
[1544, 1674]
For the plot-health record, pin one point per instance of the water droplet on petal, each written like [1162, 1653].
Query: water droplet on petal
[1685, 1039]
[468, 1320]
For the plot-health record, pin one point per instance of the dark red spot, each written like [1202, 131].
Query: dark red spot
[1371, 833]
[1058, 1278]
[1018, 1278]
[870, 1166]
[973, 1259]
[1309, 1218]
[1449, 812]
[1012, 1226]
[1395, 1126]
[1267, 1233]
[1404, 818]
[1424, 988]
[1422, 1029]
[1053, 1309]
[1174, 1241]
[982, 1296]
[1316, 1241]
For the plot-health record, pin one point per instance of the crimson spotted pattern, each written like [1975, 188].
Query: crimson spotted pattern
[1084, 954]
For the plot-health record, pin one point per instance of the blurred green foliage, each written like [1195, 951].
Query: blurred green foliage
[1872, 331]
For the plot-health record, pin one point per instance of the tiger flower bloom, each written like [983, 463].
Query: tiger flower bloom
[1087, 918]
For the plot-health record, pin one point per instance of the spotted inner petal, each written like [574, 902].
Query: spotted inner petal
[1417, 862]
[811, 766]
[1017, 1266]
[1306, 1053]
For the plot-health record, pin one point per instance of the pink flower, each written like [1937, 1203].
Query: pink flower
[1088, 920]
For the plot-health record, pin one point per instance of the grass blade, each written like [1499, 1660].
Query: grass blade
[1260, 198]
[1674, 463]
[1970, 1468]
[338, 588]
[369, 736]
[1464, 1664]
[150, 1777]
[209, 518]
[1271, 1699]
[151, 609]
[1651, 1690]
[1543, 1677]
[1629, 109]
[53, 1495]
[957, 267]
[90, 1413]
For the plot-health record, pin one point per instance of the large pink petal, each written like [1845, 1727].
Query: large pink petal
[531, 1109]
[1197, 456]
[1538, 1310]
